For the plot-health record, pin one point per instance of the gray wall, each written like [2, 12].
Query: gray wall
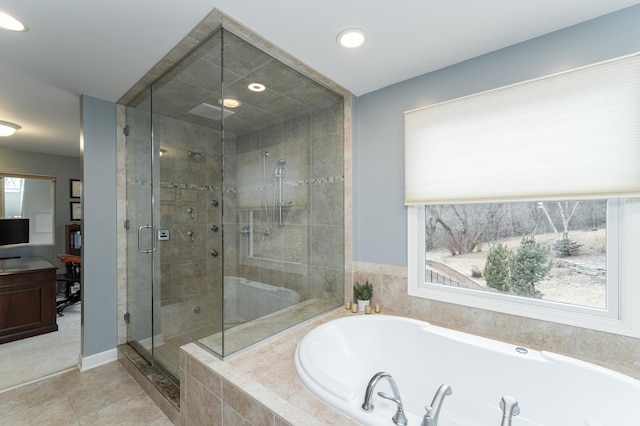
[63, 168]
[98, 123]
[380, 223]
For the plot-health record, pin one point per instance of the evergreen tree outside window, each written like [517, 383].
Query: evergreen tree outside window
[521, 271]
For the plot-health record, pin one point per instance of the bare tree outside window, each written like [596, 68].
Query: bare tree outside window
[561, 247]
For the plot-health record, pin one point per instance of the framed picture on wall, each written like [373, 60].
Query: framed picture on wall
[75, 188]
[76, 210]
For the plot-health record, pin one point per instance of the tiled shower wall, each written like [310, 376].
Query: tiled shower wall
[306, 253]
[189, 188]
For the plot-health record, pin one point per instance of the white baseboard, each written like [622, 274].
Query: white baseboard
[92, 361]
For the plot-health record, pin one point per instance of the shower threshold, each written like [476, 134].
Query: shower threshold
[246, 334]
[164, 393]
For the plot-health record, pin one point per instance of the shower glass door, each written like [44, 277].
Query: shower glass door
[174, 172]
[140, 237]
[187, 129]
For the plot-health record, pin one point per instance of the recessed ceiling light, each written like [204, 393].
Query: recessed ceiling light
[7, 128]
[10, 23]
[256, 87]
[351, 38]
[229, 103]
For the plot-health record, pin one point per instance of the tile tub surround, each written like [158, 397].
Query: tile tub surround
[257, 386]
[619, 353]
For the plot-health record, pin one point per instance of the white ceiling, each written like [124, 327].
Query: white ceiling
[102, 47]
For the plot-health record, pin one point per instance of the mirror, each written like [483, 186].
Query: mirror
[31, 197]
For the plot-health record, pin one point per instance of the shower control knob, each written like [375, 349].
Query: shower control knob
[214, 228]
[214, 253]
[214, 203]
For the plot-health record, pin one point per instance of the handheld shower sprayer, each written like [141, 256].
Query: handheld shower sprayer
[279, 172]
[279, 175]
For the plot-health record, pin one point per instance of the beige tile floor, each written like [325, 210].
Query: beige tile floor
[106, 395]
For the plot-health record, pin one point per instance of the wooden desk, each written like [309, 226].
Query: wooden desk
[27, 298]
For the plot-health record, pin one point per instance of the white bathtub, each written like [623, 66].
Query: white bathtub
[246, 300]
[336, 360]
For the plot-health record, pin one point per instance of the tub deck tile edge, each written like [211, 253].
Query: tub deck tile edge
[272, 391]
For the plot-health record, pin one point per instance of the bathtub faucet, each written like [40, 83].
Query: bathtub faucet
[509, 408]
[433, 411]
[399, 418]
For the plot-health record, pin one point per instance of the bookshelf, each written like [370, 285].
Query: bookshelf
[74, 239]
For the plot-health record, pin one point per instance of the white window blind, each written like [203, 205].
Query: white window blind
[574, 134]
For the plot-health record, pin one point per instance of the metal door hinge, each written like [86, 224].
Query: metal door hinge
[125, 130]
[127, 317]
[127, 224]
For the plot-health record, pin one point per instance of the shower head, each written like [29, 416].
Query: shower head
[194, 155]
[281, 162]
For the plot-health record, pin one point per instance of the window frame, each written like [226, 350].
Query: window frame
[620, 317]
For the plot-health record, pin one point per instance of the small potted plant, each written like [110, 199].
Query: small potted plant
[363, 293]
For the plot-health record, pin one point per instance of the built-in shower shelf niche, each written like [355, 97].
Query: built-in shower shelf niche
[275, 265]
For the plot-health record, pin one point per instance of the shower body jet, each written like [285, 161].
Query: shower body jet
[194, 155]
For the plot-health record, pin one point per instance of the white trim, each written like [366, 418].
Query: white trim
[629, 248]
[621, 319]
[92, 361]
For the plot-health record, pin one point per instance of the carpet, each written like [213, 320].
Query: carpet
[26, 360]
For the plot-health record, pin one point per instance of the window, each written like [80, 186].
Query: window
[592, 277]
[550, 143]
[30, 197]
[554, 251]
[13, 194]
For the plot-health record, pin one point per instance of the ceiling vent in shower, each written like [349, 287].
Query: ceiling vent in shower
[209, 111]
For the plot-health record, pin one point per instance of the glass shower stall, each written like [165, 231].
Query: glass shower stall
[235, 202]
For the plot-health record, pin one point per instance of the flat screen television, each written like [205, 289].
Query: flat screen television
[14, 231]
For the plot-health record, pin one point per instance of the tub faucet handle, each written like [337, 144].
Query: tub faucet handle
[399, 418]
[510, 408]
[433, 410]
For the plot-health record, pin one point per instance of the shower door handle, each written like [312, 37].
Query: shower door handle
[153, 239]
